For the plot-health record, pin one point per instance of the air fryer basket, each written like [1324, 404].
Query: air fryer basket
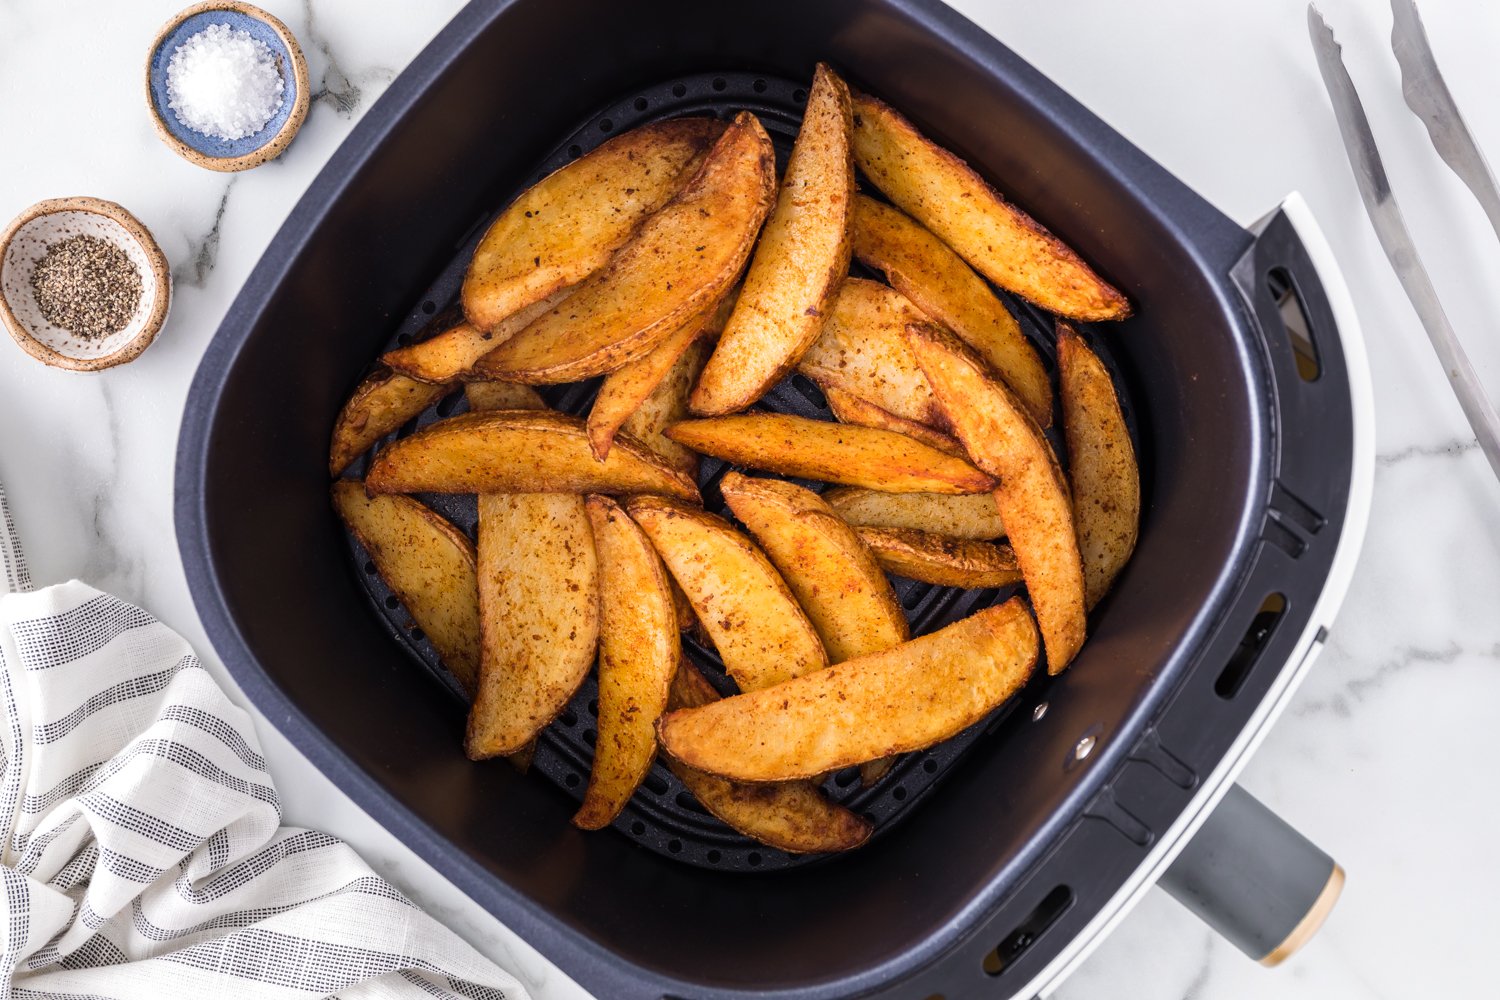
[1029, 834]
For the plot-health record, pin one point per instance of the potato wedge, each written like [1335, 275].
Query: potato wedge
[800, 260]
[834, 453]
[567, 225]
[429, 564]
[1101, 464]
[793, 816]
[539, 616]
[638, 653]
[833, 576]
[380, 404]
[1002, 242]
[514, 451]
[947, 562]
[862, 350]
[667, 405]
[682, 259]
[502, 396]
[938, 282]
[850, 409]
[1033, 496]
[761, 634]
[449, 356]
[975, 516]
[904, 698]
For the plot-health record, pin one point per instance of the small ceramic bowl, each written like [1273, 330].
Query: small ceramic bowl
[252, 150]
[26, 240]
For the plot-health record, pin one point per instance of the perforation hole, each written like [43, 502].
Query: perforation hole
[568, 718]
[637, 828]
[570, 779]
[590, 737]
[930, 766]
[641, 104]
[720, 83]
[714, 857]
[607, 125]
[429, 307]
[759, 86]
[417, 635]
[656, 784]
[404, 340]
[575, 151]
[369, 568]
[594, 707]
[754, 859]
[675, 846]
[799, 96]
[846, 777]
[898, 793]
[679, 90]
[391, 602]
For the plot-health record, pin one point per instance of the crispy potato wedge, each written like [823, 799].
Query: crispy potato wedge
[938, 282]
[380, 404]
[850, 409]
[539, 616]
[975, 516]
[449, 356]
[904, 698]
[1101, 464]
[1002, 242]
[567, 225]
[638, 653]
[1032, 496]
[515, 451]
[761, 633]
[502, 396]
[429, 564]
[666, 405]
[802, 256]
[833, 576]
[681, 260]
[947, 562]
[862, 350]
[834, 453]
[794, 816]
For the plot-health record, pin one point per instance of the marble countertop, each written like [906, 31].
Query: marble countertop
[1377, 758]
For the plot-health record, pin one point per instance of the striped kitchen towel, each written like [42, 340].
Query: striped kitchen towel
[143, 855]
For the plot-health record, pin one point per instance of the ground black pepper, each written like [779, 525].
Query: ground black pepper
[87, 286]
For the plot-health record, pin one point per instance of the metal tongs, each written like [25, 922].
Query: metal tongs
[1428, 97]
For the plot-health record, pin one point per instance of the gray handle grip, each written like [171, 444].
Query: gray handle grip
[1254, 879]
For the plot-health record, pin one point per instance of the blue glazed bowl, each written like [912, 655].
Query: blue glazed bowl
[252, 150]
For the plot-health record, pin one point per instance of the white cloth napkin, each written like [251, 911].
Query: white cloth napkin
[143, 855]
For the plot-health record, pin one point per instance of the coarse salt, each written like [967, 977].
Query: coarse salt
[223, 82]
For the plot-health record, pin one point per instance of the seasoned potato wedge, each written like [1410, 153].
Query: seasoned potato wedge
[947, 562]
[794, 816]
[904, 698]
[938, 282]
[449, 356]
[381, 403]
[862, 350]
[834, 453]
[1005, 244]
[1033, 496]
[681, 260]
[801, 258]
[667, 405]
[428, 563]
[567, 225]
[515, 451]
[850, 409]
[754, 621]
[539, 616]
[638, 653]
[1101, 464]
[975, 516]
[502, 396]
[831, 573]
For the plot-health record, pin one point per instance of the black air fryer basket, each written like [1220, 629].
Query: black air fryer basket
[993, 851]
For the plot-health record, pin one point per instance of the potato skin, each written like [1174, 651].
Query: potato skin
[381, 403]
[947, 562]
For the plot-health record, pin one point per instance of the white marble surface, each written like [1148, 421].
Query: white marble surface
[1379, 758]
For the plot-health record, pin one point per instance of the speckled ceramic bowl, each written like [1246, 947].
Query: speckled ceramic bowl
[26, 240]
[276, 134]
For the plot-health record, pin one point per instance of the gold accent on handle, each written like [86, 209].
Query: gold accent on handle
[1309, 924]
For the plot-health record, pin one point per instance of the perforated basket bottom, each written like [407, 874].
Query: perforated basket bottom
[663, 816]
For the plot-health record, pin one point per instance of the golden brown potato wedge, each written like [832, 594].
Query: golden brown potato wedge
[638, 653]
[761, 634]
[975, 516]
[1101, 464]
[833, 576]
[850, 409]
[566, 226]
[794, 816]
[1005, 244]
[802, 256]
[381, 403]
[947, 562]
[904, 698]
[938, 282]
[502, 396]
[862, 350]
[1033, 497]
[667, 405]
[539, 616]
[834, 453]
[681, 260]
[450, 356]
[515, 451]
[428, 563]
